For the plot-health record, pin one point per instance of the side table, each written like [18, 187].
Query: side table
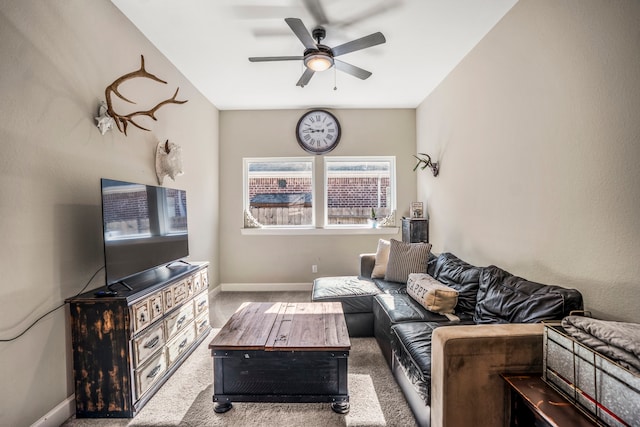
[415, 230]
[535, 403]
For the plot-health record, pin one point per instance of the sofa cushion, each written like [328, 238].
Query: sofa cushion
[356, 295]
[382, 258]
[461, 276]
[400, 308]
[505, 298]
[411, 343]
[406, 258]
[391, 287]
[431, 294]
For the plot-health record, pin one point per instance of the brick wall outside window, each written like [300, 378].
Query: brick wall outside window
[343, 193]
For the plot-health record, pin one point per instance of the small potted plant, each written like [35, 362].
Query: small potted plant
[372, 220]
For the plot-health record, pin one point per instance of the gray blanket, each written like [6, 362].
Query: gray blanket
[618, 341]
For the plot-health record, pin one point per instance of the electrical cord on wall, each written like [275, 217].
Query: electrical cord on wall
[53, 309]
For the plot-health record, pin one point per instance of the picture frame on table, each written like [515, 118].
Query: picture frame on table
[416, 210]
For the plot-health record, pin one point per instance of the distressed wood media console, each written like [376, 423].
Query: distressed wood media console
[126, 346]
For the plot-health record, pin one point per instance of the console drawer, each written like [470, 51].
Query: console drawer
[202, 323]
[156, 306]
[180, 292]
[141, 315]
[179, 320]
[151, 371]
[168, 300]
[148, 344]
[204, 278]
[197, 283]
[181, 343]
[201, 303]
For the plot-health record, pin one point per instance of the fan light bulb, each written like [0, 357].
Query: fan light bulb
[318, 62]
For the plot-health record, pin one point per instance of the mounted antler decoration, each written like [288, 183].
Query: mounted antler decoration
[122, 121]
[426, 162]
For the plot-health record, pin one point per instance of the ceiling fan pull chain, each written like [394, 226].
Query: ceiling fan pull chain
[335, 79]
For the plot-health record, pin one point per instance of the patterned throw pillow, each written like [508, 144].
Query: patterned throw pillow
[406, 258]
[382, 258]
[431, 294]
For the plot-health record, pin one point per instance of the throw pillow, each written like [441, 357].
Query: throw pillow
[431, 294]
[406, 258]
[382, 258]
[461, 276]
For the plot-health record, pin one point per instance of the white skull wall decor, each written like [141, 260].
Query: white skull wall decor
[168, 160]
[104, 121]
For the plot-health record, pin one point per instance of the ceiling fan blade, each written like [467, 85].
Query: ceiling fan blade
[358, 44]
[271, 32]
[275, 58]
[301, 32]
[317, 11]
[352, 69]
[264, 12]
[378, 9]
[306, 76]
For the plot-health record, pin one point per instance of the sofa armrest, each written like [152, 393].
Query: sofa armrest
[466, 363]
[367, 262]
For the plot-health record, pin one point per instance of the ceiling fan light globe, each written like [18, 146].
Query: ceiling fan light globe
[318, 62]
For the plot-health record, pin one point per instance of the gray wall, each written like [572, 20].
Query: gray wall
[288, 259]
[538, 132]
[57, 59]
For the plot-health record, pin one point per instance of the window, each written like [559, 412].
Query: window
[279, 191]
[357, 188]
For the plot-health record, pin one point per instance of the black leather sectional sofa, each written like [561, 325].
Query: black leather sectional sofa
[437, 361]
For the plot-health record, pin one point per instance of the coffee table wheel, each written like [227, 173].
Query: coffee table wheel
[221, 408]
[340, 407]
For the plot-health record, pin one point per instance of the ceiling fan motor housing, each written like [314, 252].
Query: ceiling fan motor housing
[321, 49]
[319, 34]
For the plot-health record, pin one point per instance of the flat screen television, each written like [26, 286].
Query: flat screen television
[144, 227]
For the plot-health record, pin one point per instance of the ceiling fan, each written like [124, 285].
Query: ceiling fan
[319, 57]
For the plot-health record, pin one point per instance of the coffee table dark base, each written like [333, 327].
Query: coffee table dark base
[280, 376]
[338, 407]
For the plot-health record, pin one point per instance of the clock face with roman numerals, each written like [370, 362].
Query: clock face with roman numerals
[318, 131]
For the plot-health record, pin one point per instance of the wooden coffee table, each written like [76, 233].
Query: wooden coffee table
[282, 352]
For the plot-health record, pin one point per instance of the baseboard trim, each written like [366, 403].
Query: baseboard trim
[215, 291]
[265, 287]
[58, 415]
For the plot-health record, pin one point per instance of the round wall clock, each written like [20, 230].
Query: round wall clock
[318, 131]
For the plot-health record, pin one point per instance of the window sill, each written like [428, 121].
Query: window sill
[328, 231]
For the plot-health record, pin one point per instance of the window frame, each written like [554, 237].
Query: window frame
[314, 229]
[245, 188]
[392, 186]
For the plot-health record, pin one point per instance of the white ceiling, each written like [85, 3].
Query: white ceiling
[209, 41]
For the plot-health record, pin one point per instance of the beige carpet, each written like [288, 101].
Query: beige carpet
[186, 398]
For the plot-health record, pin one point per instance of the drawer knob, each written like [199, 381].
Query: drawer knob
[181, 320]
[154, 372]
[153, 342]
